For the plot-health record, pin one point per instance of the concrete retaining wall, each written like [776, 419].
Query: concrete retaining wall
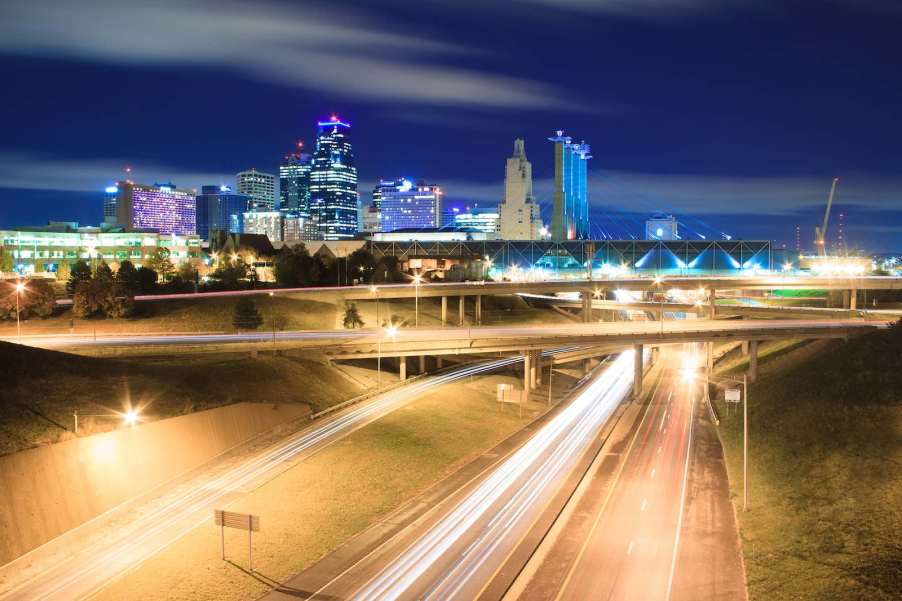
[48, 490]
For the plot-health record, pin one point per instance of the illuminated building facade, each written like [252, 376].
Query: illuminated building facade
[519, 215]
[333, 182]
[405, 206]
[661, 227]
[218, 208]
[570, 217]
[110, 214]
[268, 223]
[261, 187]
[161, 207]
[486, 220]
[294, 182]
[44, 250]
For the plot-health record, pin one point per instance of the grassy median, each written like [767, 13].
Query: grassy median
[318, 504]
[825, 433]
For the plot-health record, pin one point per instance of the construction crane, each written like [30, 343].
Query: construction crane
[820, 233]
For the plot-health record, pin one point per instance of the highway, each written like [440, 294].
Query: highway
[631, 550]
[79, 569]
[458, 554]
[340, 344]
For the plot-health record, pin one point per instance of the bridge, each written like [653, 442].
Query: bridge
[586, 340]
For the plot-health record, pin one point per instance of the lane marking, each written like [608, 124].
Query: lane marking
[629, 550]
[679, 526]
[653, 472]
[644, 504]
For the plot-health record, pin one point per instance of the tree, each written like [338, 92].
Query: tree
[294, 266]
[103, 272]
[6, 259]
[91, 296]
[118, 302]
[159, 262]
[147, 280]
[246, 316]
[231, 274]
[352, 318]
[80, 272]
[361, 265]
[128, 277]
[37, 298]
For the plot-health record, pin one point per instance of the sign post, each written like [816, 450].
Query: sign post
[241, 521]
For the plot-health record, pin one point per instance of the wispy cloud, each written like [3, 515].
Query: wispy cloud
[297, 44]
[26, 171]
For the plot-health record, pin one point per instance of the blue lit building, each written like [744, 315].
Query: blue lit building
[405, 206]
[333, 182]
[570, 217]
[218, 208]
[294, 182]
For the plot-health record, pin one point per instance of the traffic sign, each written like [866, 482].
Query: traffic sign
[732, 395]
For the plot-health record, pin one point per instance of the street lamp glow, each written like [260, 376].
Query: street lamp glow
[391, 331]
[373, 289]
[130, 417]
[20, 286]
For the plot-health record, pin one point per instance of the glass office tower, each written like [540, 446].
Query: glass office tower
[570, 218]
[218, 208]
[333, 182]
[294, 182]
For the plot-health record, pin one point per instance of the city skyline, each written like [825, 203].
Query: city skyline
[739, 132]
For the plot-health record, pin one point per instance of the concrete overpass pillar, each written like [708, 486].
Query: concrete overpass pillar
[527, 356]
[438, 362]
[753, 360]
[745, 348]
[853, 299]
[422, 364]
[444, 311]
[538, 368]
[479, 309]
[402, 368]
[709, 356]
[712, 309]
[533, 367]
[587, 307]
[637, 371]
[846, 299]
[461, 307]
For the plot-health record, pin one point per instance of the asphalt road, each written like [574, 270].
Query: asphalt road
[457, 554]
[80, 569]
[632, 548]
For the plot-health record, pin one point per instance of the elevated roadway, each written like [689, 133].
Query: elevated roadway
[351, 344]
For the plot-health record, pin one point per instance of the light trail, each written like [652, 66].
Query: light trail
[89, 569]
[489, 520]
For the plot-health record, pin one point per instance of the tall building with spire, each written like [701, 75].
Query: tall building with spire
[294, 181]
[570, 216]
[333, 182]
[520, 218]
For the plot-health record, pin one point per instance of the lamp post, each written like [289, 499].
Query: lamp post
[390, 331]
[416, 315]
[20, 286]
[745, 428]
[375, 292]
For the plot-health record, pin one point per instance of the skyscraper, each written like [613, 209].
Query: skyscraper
[520, 218]
[294, 182]
[570, 218]
[218, 208]
[333, 182]
[405, 205]
[110, 194]
[160, 207]
[261, 187]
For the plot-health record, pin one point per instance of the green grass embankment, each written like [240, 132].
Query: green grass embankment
[42, 389]
[825, 433]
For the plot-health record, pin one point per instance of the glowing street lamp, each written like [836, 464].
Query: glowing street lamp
[130, 417]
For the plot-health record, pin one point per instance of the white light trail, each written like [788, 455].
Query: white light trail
[488, 519]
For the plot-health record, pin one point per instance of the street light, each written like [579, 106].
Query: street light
[416, 315]
[129, 417]
[390, 331]
[745, 428]
[20, 286]
[375, 292]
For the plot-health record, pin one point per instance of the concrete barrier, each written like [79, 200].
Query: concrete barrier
[48, 490]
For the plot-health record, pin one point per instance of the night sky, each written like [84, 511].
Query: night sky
[732, 114]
